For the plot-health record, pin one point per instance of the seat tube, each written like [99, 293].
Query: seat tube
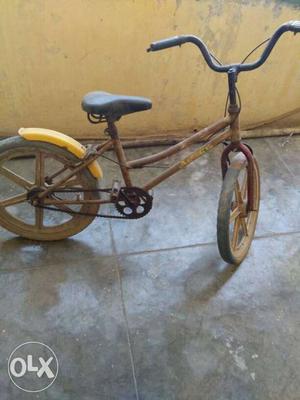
[112, 130]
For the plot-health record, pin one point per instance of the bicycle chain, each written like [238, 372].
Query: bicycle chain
[121, 198]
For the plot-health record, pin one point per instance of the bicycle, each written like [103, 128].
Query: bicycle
[58, 195]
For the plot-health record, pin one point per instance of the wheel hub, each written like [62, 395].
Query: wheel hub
[33, 193]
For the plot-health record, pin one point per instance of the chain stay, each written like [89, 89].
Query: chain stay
[80, 213]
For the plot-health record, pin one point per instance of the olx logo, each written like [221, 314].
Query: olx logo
[33, 367]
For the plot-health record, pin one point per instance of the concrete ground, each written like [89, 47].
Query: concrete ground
[148, 310]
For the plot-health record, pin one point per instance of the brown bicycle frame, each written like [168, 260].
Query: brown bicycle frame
[216, 133]
[211, 135]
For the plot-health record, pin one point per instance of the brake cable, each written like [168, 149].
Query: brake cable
[252, 51]
[242, 62]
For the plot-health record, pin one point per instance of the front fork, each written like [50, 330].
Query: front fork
[237, 145]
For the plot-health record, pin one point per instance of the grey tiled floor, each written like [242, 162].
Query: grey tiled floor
[148, 310]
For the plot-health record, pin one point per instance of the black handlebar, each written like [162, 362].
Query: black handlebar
[294, 26]
[291, 26]
[166, 43]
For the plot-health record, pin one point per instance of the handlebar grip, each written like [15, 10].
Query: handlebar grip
[294, 26]
[166, 43]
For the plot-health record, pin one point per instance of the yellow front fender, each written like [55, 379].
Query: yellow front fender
[61, 140]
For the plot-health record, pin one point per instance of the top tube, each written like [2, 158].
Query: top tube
[292, 26]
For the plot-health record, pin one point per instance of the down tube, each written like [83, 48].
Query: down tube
[219, 138]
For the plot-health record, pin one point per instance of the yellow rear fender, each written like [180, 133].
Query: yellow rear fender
[61, 140]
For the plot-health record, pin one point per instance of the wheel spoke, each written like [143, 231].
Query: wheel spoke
[19, 180]
[20, 198]
[39, 217]
[40, 169]
[234, 214]
[236, 230]
[244, 226]
[238, 193]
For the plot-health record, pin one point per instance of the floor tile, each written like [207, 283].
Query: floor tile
[201, 329]
[76, 310]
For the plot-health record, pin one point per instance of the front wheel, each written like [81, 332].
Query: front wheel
[236, 225]
[25, 165]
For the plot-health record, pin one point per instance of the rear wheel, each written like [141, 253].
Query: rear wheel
[236, 225]
[25, 165]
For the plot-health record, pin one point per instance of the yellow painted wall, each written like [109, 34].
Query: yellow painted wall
[54, 51]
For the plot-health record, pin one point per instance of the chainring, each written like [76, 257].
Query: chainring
[133, 202]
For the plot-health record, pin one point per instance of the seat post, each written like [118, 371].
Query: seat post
[119, 150]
